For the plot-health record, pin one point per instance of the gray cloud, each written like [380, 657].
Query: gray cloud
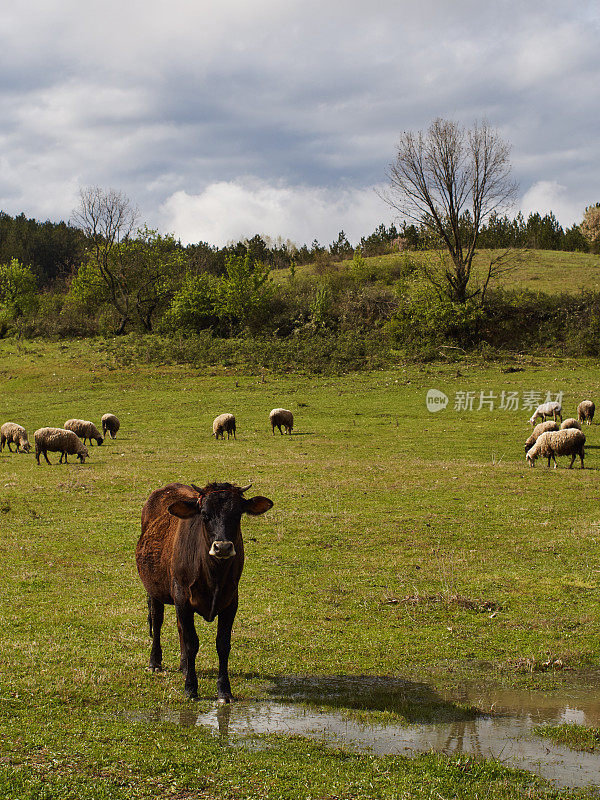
[296, 102]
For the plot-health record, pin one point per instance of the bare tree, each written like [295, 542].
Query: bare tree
[108, 219]
[450, 180]
[590, 227]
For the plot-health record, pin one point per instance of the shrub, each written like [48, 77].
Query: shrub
[193, 306]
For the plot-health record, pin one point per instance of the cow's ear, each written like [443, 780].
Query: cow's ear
[257, 505]
[184, 509]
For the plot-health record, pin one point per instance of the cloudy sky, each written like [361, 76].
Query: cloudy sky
[226, 118]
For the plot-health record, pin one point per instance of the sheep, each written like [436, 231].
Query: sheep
[585, 411]
[540, 428]
[110, 424]
[84, 429]
[279, 417]
[59, 440]
[567, 442]
[570, 423]
[222, 423]
[552, 409]
[11, 433]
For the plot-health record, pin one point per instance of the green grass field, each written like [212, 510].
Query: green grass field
[548, 271]
[384, 515]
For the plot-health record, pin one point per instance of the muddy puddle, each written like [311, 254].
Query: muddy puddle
[499, 723]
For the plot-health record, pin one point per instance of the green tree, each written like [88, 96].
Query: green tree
[18, 288]
[193, 307]
[107, 218]
[136, 277]
[244, 293]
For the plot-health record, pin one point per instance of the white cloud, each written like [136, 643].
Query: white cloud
[547, 196]
[173, 102]
[231, 210]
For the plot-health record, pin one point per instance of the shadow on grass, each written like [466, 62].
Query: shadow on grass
[416, 702]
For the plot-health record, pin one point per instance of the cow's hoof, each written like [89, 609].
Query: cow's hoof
[225, 698]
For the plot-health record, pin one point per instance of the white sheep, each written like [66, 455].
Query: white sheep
[110, 424]
[59, 440]
[222, 423]
[84, 429]
[279, 417]
[540, 428]
[11, 433]
[567, 442]
[585, 411]
[570, 423]
[552, 409]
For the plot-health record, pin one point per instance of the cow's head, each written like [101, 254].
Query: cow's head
[219, 506]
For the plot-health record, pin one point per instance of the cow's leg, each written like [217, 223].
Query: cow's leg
[224, 626]
[156, 615]
[185, 619]
[182, 656]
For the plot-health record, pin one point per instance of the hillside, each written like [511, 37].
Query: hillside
[548, 271]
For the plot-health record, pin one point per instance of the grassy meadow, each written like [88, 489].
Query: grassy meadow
[548, 271]
[402, 543]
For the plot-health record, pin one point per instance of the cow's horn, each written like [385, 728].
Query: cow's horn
[245, 489]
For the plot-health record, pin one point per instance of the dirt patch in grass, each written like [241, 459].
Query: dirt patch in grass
[477, 604]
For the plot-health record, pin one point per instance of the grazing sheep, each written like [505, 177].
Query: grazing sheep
[279, 417]
[567, 442]
[59, 440]
[540, 428]
[110, 424]
[570, 423]
[585, 411]
[11, 433]
[84, 429]
[552, 409]
[222, 423]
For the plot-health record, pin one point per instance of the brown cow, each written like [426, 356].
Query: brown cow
[191, 555]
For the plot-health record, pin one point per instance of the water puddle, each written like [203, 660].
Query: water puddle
[501, 727]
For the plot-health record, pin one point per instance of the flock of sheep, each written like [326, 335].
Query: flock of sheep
[549, 440]
[68, 441]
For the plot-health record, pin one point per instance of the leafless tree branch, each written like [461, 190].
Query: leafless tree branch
[450, 180]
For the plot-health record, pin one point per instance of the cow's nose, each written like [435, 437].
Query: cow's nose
[223, 549]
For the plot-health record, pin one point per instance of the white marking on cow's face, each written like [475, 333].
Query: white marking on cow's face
[222, 550]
